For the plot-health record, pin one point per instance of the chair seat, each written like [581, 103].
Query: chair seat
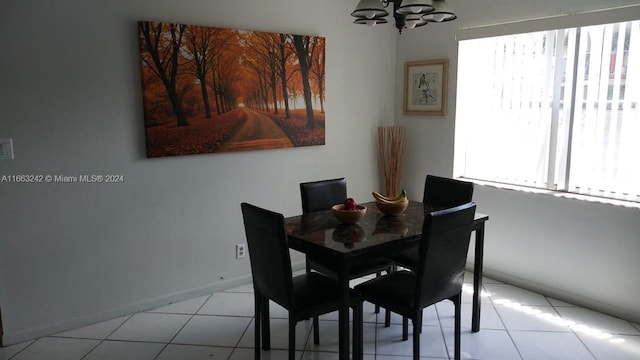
[314, 291]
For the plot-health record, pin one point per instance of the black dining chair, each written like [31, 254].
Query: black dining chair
[439, 192]
[439, 275]
[321, 195]
[304, 296]
[442, 191]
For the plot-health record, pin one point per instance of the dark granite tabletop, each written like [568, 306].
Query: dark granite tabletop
[321, 233]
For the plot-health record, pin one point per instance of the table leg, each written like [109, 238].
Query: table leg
[343, 314]
[477, 278]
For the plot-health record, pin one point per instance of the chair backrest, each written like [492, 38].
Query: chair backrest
[269, 254]
[321, 195]
[443, 253]
[446, 192]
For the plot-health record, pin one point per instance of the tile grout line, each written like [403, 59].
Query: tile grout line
[237, 345]
[21, 350]
[106, 337]
[183, 326]
[375, 333]
[444, 340]
[505, 327]
[573, 331]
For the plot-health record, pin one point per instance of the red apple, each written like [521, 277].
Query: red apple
[350, 204]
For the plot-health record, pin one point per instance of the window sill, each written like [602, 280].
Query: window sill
[558, 194]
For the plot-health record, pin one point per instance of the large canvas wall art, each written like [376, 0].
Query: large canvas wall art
[210, 90]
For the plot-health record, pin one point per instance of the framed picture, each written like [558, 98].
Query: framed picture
[214, 90]
[425, 87]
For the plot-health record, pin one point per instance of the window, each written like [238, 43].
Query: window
[552, 109]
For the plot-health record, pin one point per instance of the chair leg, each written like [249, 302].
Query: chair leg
[387, 318]
[316, 330]
[292, 336]
[258, 323]
[378, 274]
[458, 320]
[358, 329]
[405, 328]
[387, 313]
[316, 336]
[417, 324]
[404, 320]
[266, 325]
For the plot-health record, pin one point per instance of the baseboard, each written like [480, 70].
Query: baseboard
[10, 338]
[560, 294]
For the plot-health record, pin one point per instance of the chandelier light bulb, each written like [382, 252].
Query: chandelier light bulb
[441, 13]
[370, 22]
[412, 7]
[438, 17]
[413, 21]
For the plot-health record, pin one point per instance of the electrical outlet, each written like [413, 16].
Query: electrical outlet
[6, 149]
[241, 251]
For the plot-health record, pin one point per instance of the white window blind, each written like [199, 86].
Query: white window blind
[605, 153]
[553, 109]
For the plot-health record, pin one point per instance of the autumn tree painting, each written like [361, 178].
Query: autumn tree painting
[210, 89]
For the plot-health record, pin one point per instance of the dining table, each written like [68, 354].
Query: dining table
[320, 234]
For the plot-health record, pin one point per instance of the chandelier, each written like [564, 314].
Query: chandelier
[408, 14]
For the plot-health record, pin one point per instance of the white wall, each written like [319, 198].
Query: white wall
[72, 254]
[583, 252]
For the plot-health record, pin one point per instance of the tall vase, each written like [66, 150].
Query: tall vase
[390, 153]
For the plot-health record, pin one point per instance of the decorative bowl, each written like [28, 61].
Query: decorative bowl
[348, 216]
[392, 208]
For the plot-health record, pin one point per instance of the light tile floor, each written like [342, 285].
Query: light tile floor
[515, 324]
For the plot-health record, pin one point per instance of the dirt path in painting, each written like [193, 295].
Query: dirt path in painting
[259, 132]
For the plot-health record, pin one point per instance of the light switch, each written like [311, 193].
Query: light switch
[6, 149]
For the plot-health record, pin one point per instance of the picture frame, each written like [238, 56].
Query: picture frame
[425, 87]
[197, 103]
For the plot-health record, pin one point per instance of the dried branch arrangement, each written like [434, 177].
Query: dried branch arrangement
[390, 150]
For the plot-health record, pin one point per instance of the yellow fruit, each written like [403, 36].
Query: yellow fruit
[385, 199]
[379, 196]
